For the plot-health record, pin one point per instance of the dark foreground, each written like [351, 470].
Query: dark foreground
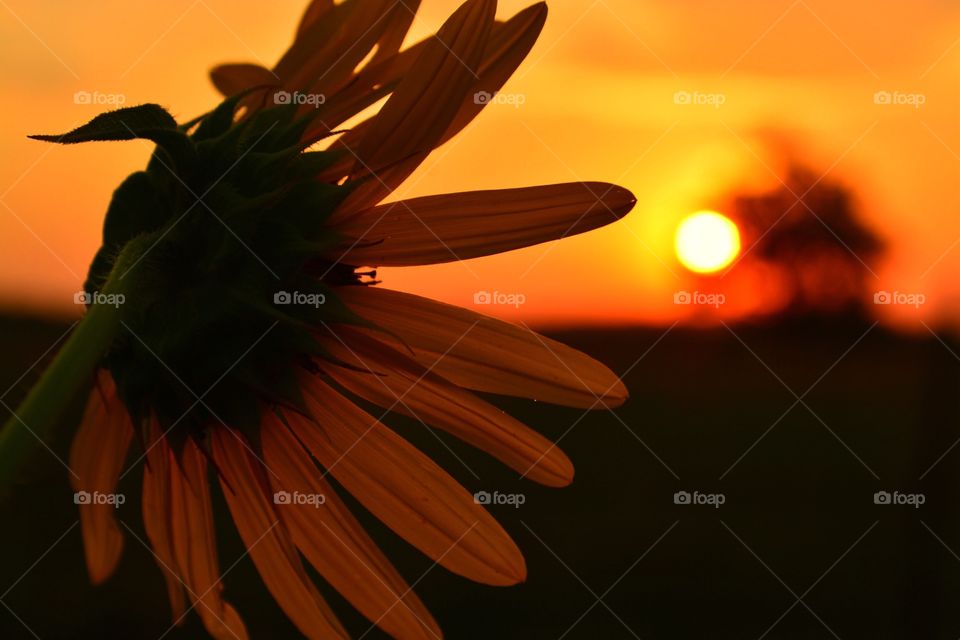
[797, 549]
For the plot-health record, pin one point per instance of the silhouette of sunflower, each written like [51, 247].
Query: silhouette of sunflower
[232, 329]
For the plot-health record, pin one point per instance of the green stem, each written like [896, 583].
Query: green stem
[69, 373]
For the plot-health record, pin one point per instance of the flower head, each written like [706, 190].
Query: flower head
[252, 326]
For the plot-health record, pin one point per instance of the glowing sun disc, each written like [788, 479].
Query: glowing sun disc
[707, 241]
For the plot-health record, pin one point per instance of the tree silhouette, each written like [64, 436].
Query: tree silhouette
[811, 239]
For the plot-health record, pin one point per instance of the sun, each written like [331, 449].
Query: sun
[707, 241]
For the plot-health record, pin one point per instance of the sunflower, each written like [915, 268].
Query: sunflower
[236, 332]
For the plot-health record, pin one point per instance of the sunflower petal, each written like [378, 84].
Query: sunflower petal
[325, 56]
[97, 455]
[509, 45]
[372, 83]
[336, 544]
[195, 546]
[156, 516]
[424, 104]
[314, 12]
[231, 79]
[486, 354]
[390, 379]
[461, 226]
[405, 489]
[267, 540]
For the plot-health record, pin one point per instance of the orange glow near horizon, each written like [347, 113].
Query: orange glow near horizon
[681, 112]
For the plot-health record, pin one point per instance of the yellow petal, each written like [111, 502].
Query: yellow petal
[384, 376]
[157, 516]
[405, 489]
[97, 456]
[195, 545]
[336, 544]
[245, 487]
[231, 79]
[314, 12]
[325, 55]
[461, 226]
[509, 45]
[418, 113]
[487, 354]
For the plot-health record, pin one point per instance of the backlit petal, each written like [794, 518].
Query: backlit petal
[326, 54]
[157, 516]
[394, 381]
[487, 354]
[414, 119]
[195, 545]
[461, 226]
[405, 489]
[336, 544]
[246, 489]
[97, 457]
[509, 45]
[231, 79]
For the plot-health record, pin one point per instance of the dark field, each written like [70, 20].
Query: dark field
[798, 549]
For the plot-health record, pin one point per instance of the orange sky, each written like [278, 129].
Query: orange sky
[598, 104]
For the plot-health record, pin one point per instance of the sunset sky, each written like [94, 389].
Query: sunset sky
[596, 100]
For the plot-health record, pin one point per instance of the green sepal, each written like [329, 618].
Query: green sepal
[220, 120]
[139, 205]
